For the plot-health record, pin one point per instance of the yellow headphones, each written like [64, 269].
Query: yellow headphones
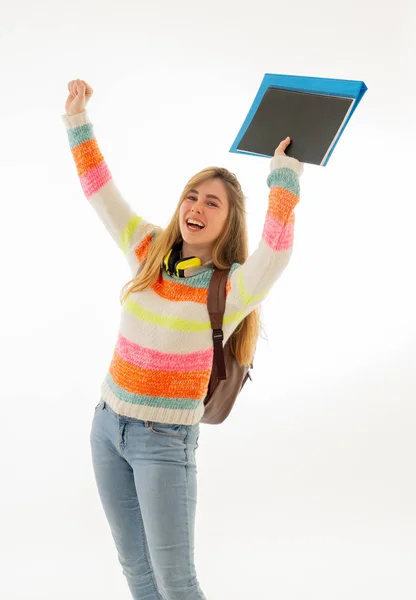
[175, 265]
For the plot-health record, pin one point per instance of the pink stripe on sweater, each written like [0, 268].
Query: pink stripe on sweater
[95, 178]
[153, 360]
[278, 236]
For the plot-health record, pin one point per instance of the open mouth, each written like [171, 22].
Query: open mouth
[193, 227]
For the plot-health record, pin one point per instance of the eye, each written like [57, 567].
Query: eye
[193, 198]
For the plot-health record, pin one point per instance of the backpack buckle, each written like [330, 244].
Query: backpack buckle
[217, 335]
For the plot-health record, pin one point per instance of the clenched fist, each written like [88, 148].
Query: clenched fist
[79, 95]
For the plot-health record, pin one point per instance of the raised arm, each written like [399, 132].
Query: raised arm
[131, 232]
[249, 283]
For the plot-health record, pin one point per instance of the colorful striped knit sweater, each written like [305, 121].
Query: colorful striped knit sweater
[162, 360]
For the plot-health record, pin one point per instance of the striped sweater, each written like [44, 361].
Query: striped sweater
[162, 360]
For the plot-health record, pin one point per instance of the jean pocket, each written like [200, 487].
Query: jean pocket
[99, 404]
[169, 429]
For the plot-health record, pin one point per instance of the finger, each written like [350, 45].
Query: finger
[83, 86]
[88, 88]
[283, 145]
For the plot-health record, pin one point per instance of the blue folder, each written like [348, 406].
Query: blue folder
[312, 111]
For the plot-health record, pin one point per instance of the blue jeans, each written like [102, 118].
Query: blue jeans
[146, 476]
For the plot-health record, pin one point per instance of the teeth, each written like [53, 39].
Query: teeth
[195, 222]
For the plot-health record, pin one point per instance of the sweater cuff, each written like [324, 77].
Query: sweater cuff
[281, 160]
[77, 120]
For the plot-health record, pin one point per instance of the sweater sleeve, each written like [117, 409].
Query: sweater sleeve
[248, 284]
[131, 232]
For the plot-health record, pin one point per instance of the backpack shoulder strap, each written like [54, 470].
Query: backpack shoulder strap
[216, 308]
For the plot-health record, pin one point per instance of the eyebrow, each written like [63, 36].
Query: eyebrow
[208, 195]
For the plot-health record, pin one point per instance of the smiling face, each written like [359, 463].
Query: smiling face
[207, 203]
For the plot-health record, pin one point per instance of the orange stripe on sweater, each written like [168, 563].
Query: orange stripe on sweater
[178, 292]
[281, 204]
[86, 156]
[133, 379]
[142, 250]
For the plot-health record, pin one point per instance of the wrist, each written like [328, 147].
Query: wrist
[72, 114]
[281, 160]
[76, 119]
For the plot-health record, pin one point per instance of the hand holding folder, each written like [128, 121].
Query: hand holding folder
[314, 110]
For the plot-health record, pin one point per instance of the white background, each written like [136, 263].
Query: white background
[308, 489]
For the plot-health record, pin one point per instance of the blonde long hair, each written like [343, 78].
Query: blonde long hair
[230, 247]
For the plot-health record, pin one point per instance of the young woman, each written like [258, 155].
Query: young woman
[145, 428]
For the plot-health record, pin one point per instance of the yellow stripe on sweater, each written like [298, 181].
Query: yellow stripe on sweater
[175, 323]
[245, 298]
[129, 231]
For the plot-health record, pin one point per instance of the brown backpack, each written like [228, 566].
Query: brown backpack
[228, 376]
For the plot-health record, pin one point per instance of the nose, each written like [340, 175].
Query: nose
[196, 208]
[199, 202]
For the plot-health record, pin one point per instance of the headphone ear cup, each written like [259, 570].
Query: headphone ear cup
[175, 265]
[171, 262]
[189, 262]
[174, 257]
